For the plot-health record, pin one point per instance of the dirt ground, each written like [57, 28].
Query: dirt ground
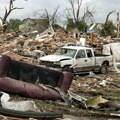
[108, 86]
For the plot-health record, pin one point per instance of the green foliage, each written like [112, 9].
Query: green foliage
[56, 26]
[81, 25]
[108, 29]
[13, 24]
[70, 24]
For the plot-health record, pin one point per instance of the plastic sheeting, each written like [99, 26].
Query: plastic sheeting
[113, 48]
[17, 105]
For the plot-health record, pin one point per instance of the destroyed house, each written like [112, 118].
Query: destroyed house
[29, 25]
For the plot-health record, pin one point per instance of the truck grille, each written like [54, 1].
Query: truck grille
[47, 63]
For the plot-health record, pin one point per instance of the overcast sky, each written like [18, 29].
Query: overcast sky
[100, 7]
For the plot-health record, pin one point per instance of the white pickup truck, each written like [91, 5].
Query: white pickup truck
[78, 60]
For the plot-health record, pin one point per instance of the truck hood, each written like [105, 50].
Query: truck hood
[54, 58]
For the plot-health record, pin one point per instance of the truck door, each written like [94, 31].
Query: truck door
[90, 64]
[84, 61]
[80, 60]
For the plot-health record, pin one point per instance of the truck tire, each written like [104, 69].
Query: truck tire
[67, 68]
[104, 68]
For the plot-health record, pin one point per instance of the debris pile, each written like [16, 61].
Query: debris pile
[40, 44]
[93, 91]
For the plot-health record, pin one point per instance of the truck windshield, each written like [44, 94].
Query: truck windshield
[66, 52]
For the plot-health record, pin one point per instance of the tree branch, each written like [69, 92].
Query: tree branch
[16, 8]
[72, 2]
[78, 9]
[106, 21]
[9, 10]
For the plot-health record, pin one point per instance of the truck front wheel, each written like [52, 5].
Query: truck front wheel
[104, 69]
[67, 68]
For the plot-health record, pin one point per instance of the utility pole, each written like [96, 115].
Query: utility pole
[118, 25]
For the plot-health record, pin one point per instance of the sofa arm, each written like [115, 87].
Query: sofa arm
[65, 81]
[4, 65]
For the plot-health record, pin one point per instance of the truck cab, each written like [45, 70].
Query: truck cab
[75, 59]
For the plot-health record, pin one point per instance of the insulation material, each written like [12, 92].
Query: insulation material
[17, 105]
[113, 48]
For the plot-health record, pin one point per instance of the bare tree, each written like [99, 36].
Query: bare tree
[50, 18]
[107, 18]
[108, 27]
[75, 11]
[53, 18]
[8, 11]
[87, 14]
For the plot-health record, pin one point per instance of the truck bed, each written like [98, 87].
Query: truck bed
[101, 55]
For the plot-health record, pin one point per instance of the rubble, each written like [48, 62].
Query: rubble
[94, 91]
[23, 45]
